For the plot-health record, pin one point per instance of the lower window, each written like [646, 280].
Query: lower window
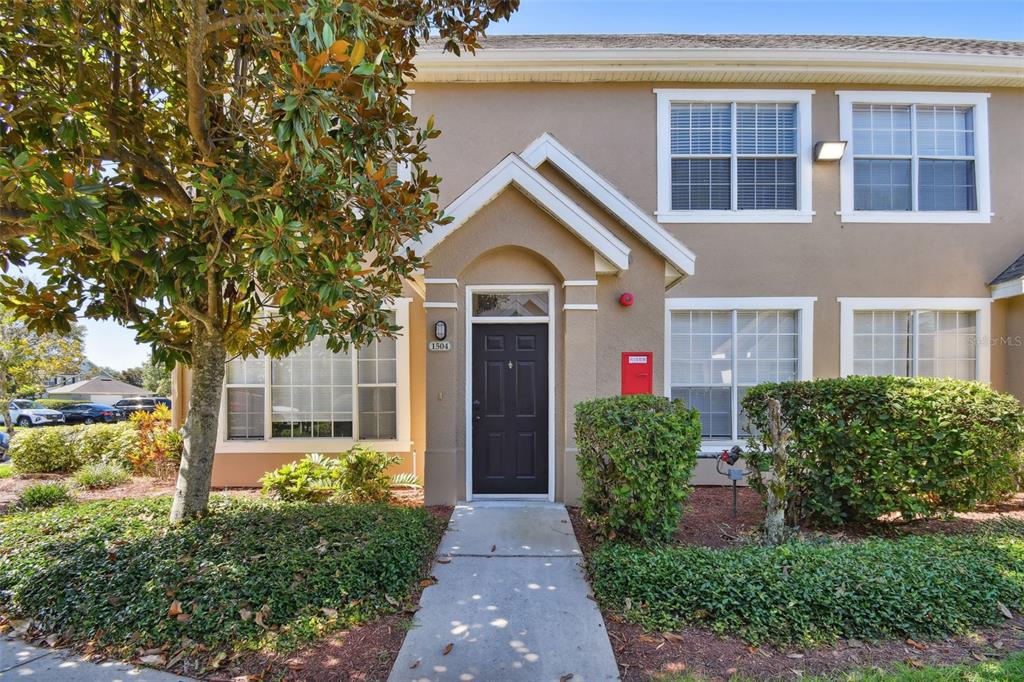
[315, 393]
[929, 343]
[716, 355]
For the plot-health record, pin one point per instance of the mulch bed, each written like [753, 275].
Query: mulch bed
[364, 653]
[708, 521]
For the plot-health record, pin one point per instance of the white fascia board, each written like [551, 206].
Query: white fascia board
[1015, 287]
[547, 148]
[512, 170]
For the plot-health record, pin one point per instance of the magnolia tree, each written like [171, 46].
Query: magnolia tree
[28, 359]
[214, 174]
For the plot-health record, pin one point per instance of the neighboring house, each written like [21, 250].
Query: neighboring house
[687, 172]
[101, 389]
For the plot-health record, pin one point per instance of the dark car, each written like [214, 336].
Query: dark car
[90, 413]
[129, 405]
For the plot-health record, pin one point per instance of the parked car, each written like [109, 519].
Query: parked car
[90, 413]
[31, 413]
[129, 405]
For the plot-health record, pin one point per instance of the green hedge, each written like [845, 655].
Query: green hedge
[251, 574]
[58, 403]
[63, 449]
[868, 446]
[921, 587]
[636, 454]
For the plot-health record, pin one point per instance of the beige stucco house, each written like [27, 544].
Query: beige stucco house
[666, 211]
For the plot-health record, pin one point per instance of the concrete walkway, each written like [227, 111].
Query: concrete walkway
[19, 661]
[510, 603]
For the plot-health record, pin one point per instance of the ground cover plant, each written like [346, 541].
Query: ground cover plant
[815, 592]
[864, 447]
[256, 574]
[358, 475]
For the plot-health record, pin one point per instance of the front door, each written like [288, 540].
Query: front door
[510, 409]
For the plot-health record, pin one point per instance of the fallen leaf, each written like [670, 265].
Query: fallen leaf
[566, 677]
[1007, 613]
[391, 600]
[998, 644]
[916, 645]
[427, 582]
[155, 659]
[672, 637]
[183, 618]
[330, 613]
[794, 655]
[245, 614]
[731, 671]
[977, 656]
[649, 639]
[444, 560]
[175, 609]
[447, 649]
[855, 643]
[414, 664]
[52, 640]
[494, 547]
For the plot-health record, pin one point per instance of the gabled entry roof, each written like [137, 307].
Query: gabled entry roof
[547, 148]
[1010, 282]
[521, 171]
[513, 170]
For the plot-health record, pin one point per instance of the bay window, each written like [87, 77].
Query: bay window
[733, 156]
[316, 394]
[915, 157]
[718, 348]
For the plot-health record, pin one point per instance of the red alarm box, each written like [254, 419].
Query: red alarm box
[637, 373]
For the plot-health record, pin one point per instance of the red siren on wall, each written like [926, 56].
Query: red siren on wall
[626, 299]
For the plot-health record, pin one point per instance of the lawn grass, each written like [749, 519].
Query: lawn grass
[6, 470]
[810, 593]
[1010, 669]
[253, 575]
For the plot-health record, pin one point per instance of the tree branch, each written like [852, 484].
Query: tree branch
[175, 193]
[194, 68]
[241, 20]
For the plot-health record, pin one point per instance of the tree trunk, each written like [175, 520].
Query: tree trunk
[200, 431]
[776, 489]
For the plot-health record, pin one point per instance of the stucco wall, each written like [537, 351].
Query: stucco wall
[611, 127]
[1011, 345]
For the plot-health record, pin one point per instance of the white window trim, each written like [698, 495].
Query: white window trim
[981, 307]
[804, 307]
[979, 100]
[804, 211]
[402, 443]
[472, 319]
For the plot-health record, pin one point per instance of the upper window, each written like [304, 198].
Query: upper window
[915, 337]
[719, 348]
[914, 157]
[733, 156]
[317, 393]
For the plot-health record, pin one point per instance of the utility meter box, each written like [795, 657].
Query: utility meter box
[637, 373]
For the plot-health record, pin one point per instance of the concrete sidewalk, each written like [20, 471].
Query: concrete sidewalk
[510, 599]
[21, 661]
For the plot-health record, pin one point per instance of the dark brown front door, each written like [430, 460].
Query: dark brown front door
[510, 409]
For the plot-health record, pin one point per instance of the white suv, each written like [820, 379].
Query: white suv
[31, 413]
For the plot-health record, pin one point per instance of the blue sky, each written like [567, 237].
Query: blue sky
[110, 345]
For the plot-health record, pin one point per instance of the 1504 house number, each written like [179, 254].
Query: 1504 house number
[439, 346]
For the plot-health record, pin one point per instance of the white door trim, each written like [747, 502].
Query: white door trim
[470, 321]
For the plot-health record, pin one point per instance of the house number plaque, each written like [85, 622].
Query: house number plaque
[439, 346]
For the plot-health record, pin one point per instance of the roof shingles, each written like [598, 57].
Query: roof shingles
[1014, 272]
[668, 41]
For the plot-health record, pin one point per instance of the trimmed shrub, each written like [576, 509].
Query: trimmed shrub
[101, 475]
[58, 403]
[64, 449]
[251, 575]
[636, 454]
[46, 450]
[42, 495]
[863, 447]
[921, 587]
[106, 443]
[359, 475]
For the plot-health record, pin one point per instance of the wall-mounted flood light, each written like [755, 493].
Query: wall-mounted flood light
[440, 330]
[829, 151]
